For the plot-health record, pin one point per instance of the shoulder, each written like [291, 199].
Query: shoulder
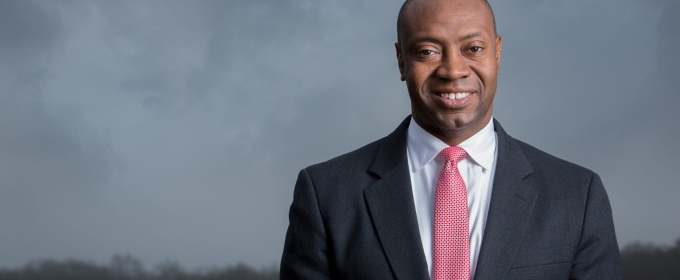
[551, 175]
[544, 162]
[536, 162]
[345, 166]
[557, 178]
[357, 167]
[337, 184]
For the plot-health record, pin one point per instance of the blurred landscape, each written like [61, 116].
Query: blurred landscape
[130, 268]
[651, 262]
[640, 262]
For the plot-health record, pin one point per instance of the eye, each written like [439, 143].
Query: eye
[426, 52]
[476, 49]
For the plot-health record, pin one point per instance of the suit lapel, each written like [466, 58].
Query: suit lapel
[511, 200]
[391, 206]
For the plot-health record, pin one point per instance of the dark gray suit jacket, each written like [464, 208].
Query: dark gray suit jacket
[353, 217]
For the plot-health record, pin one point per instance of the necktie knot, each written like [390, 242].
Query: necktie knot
[453, 154]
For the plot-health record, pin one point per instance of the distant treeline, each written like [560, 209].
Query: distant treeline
[129, 268]
[640, 262]
[649, 262]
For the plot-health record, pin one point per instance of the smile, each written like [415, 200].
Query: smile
[454, 96]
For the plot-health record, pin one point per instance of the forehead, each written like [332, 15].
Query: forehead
[444, 17]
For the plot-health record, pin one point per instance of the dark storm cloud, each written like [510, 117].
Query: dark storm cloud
[49, 155]
[169, 129]
[27, 31]
[39, 146]
[179, 52]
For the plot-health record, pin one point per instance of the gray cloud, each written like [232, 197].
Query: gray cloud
[51, 158]
[604, 101]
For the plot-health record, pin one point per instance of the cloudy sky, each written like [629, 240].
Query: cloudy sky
[175, 129]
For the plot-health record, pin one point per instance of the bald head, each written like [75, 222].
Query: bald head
[402, 18]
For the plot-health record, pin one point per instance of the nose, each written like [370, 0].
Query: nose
[453, 66]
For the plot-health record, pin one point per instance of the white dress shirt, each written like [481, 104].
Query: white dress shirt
[477, 170]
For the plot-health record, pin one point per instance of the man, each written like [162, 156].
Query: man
[449, 195]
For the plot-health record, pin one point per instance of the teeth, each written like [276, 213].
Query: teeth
[454, 96]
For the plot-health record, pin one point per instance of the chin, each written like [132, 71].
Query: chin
[454, 123]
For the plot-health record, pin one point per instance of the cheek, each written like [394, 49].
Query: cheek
[489, 69]
[487, 75]
[420, 71]
[415, 82]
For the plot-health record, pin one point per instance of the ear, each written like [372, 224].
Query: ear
[400, 60]
[499, 48]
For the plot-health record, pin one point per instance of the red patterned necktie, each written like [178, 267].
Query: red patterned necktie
[451, 231]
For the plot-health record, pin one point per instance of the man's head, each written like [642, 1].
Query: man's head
[448, 53]
[402, 11]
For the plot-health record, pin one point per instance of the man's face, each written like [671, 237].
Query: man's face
[448, 55]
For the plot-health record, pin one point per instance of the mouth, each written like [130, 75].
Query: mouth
[454, 99]
[454, 95]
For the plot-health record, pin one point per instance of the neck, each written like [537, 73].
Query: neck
[455, 136]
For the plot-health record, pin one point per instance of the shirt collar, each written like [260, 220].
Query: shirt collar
[423, 147]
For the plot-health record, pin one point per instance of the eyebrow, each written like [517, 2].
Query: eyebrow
[436, 40]
[471, 35]
[426, 39]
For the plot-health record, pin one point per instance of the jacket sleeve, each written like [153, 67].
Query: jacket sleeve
[597, 255]
[305, 252]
